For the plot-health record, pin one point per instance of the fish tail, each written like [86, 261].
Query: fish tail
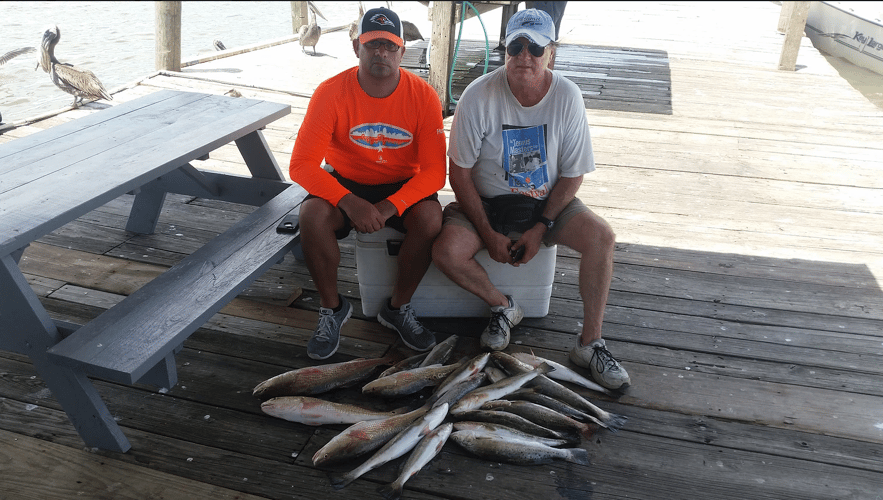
[339, 481]
[578, 456]
[391, 491]
[615, 422]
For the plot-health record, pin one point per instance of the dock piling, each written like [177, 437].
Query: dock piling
[793, 17]
[168, 36]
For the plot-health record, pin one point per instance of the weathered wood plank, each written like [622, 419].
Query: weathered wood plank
[67, 472]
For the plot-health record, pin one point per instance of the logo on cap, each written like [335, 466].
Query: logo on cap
[382, 20]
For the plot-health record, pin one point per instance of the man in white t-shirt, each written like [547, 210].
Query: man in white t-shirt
[519, 147]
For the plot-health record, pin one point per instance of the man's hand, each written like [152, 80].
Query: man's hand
[498, 246]
[365, 216]
[530, 241]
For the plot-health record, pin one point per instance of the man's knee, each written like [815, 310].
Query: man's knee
[424, 218]
[317, 216]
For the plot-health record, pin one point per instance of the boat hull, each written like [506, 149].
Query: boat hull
[839, 31]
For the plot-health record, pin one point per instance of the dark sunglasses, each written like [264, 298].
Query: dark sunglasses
[376, 43]
[514, 49]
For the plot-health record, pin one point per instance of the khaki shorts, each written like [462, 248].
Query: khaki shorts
[453, 215]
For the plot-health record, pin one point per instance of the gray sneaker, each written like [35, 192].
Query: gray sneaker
[496, 336]
[404, 321]
[326, 338]
[605, 369]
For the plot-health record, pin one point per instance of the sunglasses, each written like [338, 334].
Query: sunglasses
[376, 43]
[514, 49]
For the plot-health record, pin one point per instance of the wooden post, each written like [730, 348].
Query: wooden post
[442, 50]
[793, 34]
[784, 16]
[168, 36]
[298, 16]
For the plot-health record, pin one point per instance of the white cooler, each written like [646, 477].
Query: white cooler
[438, 296]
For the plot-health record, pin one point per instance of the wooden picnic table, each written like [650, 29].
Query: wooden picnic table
[143, 146]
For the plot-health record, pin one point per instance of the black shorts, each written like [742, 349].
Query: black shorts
[373, 194]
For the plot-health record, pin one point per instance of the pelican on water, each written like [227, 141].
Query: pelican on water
[309, 33]
[80, 83]
[219, 45]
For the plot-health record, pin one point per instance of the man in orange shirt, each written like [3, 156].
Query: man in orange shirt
[380, 129]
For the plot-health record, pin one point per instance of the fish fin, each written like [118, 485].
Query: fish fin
[578, 456]
[545, 368]
[338, 480]
[615, 422]
[390, 492]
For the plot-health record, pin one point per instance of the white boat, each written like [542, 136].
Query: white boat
[851, 30]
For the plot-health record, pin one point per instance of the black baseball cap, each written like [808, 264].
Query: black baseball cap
[381, 23]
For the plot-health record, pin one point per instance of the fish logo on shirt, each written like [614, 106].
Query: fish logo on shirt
[380, 136]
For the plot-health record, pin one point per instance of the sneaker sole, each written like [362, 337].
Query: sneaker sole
[392, 327]
[320, 358]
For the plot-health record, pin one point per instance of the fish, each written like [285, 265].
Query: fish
[456, 392]
[441, 352]
[405, 364]
[506, 432]
[402, 443]
[465, 371]
[516, 452]
[426, 450]
[541, 415]
[364, 437]
[313, 380]
[549, 387]
[313, 411]
[495, 374]
[534, 396]
[562, 372]
[517, 422]
[408, 381]
[497, 390]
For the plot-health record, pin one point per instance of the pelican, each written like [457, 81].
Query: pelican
[354, 26]
[15, 53]
[410, 31]
[219, 45]
[80, 83]
[309, 33]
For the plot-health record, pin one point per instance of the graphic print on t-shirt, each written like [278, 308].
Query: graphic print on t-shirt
[524, 160]
[380, 135]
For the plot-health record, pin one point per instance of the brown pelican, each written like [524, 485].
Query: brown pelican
[354, 26]
[309, 33]
[80, 83]
[410, 31]
[219, 45]
[15, 53]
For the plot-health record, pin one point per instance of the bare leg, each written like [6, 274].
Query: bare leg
[423, 223]
[454, 255]
[592, 237]
[318, 221]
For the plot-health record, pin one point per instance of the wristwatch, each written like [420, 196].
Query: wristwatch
[546, 222]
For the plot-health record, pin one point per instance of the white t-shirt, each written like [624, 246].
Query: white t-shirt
[516, 149]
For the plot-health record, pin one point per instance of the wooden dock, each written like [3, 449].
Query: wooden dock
[746, 301]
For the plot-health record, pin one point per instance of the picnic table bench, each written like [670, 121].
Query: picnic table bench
[143, 146]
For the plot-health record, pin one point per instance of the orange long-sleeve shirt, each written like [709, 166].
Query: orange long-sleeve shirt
[371, 140]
